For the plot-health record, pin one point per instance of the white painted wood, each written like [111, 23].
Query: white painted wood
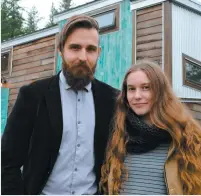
[163, 30]
[30, 37]
[85, 9]
[186, 31]
[11, 62]
[135, 5]
[190, 101]
[6, 49]
[196, 5]
[148, 3]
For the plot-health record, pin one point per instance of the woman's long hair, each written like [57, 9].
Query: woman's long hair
[167, 113]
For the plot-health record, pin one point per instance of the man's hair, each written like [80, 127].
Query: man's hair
[75, 22]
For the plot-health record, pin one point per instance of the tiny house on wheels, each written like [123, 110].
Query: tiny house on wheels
[164, 31]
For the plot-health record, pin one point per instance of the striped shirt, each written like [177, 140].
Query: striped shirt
[146, 172]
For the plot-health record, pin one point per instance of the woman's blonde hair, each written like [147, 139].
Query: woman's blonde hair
[167, 113]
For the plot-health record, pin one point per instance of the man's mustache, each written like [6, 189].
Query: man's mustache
[83, 65]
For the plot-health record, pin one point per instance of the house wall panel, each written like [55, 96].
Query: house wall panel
[31, 62]
[186, 31]
[195, 110]
[149, 34]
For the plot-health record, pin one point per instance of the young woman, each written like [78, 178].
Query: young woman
[155, 146]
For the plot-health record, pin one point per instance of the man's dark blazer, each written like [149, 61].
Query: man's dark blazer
[33, 134]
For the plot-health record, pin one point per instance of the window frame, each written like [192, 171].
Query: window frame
[105, 11]
[186, 82]
[9, 61]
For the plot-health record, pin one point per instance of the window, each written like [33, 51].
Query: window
[5, 62]
[191, 72]
[108, 19]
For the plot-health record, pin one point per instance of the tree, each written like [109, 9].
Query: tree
[11, 19]
[32, 20]
[53, 11]
[65, 5]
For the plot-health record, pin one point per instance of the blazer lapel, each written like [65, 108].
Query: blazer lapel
[97, 104]
[53, 100]
[99, 118]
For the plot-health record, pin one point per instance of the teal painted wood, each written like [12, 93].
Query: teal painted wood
[59, 60]
[116, 55]
[4, 107]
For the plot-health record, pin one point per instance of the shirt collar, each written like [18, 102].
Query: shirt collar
[67, 87]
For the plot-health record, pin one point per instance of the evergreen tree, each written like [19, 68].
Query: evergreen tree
[65, 5]
[11, 19]
[53, 11]
[32, 20]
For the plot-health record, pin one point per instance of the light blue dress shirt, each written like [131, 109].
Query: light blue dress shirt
[73, 172]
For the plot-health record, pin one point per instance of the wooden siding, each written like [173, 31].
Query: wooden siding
[196, 110]
[149, 34]
[31, 61]
[167, 37]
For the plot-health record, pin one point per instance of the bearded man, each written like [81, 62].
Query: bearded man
[56, 134]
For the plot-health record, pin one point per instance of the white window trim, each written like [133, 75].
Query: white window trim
[10, 60]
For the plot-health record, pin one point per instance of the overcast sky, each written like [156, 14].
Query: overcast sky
[44, 7]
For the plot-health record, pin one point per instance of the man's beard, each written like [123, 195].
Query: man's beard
[79, 75]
